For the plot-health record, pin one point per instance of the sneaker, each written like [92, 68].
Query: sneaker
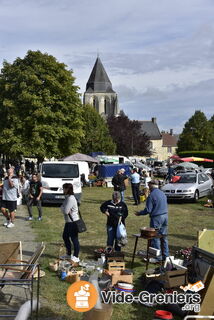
[75, 259]
[39, 218]
[65, 257]
[29, 218]
[152, 260]
[10, 225]
[6, 223]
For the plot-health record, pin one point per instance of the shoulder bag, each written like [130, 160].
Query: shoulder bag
[81, 227]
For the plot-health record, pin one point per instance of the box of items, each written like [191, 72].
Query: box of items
[120, 276]
[73, 276]
[175, 278]
[116, 265]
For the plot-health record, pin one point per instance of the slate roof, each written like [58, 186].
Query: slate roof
[169, 140]
[99, 80]
[151, 129]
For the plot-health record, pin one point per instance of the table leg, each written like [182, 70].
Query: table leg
[147, 253]
[162, 250]
[135, 247]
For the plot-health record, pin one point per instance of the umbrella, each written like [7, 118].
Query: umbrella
[80, 157]
[187, 165]
[190, 159]
[175, 157]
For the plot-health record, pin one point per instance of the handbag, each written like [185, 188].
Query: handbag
[81, 227]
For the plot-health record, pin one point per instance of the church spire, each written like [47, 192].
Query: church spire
[99, 80]
[99, 92]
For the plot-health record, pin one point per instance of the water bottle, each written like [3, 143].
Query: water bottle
[63, 274]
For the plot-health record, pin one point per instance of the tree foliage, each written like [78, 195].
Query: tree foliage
[40, 108]
[97, 137]
[197, 134]
[128, 136]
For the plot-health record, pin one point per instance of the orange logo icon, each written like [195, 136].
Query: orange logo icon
[82, 296]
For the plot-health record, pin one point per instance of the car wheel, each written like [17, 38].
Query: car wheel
[196, 196]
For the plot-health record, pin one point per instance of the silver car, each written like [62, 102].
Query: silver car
[189, 185]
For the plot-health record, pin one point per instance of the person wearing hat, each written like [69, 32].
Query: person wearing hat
[156, 207]
[119, 184]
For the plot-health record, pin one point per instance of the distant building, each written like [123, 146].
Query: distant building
[99, 92]
[169, 143]
[162, 144]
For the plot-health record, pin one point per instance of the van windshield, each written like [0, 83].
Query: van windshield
[56, 170]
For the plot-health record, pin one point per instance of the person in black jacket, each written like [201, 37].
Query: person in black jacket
[114, 210]
[118, 182]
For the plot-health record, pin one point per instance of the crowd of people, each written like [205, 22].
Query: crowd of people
[115, 209]
[17, 188]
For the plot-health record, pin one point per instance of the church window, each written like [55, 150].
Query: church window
[94, 102]
[105, 106]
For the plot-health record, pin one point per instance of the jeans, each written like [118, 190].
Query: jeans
[112, 238]
[160, 222]
[35, 202]
[122, 194]
[135, 192]
[70, 233]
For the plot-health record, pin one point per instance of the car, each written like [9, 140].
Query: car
[189, 185]
[161, 172]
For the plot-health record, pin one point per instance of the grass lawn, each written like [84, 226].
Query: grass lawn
[185, 219]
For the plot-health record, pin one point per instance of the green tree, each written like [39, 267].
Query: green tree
[97, 137]
[128, 136]
[40, 108]
[211, 136]
[196, 134]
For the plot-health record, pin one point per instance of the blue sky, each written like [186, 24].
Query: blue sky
[158, 53]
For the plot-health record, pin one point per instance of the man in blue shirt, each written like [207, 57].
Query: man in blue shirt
[156, 207]
[135, 183]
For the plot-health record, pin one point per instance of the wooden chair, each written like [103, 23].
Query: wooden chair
[21, 269]
[21, 273]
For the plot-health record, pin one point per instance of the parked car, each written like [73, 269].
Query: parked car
[189, 185]
[161, 172]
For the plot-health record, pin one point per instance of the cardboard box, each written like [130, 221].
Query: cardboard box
[171, 279]
[119, 276]
[99, 314]
[74, 276]
[117, 259]
[175, 278]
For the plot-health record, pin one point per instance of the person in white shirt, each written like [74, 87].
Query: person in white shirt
[9, 198]
[135, 183]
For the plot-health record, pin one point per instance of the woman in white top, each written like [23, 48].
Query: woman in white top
[70, 234]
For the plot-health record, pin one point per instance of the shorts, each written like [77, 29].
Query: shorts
[9, 205]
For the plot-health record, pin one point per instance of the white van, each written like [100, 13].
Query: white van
[54, 174]
[83, 169]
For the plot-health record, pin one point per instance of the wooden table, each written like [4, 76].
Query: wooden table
[137, 236]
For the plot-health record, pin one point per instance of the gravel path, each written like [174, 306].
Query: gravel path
[24, 233]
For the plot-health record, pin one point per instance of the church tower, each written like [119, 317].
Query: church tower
[99, 92]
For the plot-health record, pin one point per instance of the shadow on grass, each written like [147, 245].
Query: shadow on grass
[20, 218]
[99, 202]
[183, 236]
[173, 249]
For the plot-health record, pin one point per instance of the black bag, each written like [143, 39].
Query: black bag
[81, 227]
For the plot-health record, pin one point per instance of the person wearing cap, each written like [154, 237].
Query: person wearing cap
[115, 210]
[156, 207]
[119, 184]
